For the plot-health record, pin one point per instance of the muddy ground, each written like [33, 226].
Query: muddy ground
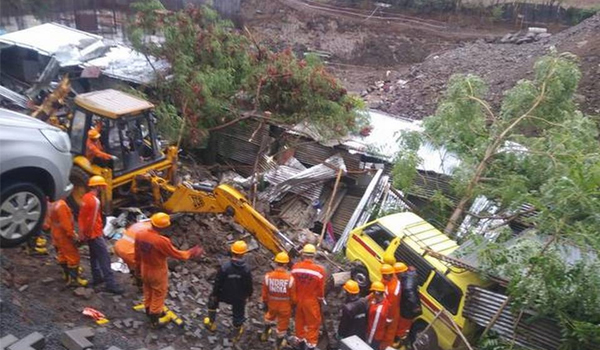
[35, 299]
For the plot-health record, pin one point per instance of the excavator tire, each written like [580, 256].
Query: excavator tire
[79, 178]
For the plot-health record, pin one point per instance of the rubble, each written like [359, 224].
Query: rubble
[78, 339]
[34, 341]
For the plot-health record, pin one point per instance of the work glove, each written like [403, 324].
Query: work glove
[196, 251]
[115, 158]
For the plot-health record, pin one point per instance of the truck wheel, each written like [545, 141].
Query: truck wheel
[79, 178]
[419, 341]
[360, 274]
[22, 211]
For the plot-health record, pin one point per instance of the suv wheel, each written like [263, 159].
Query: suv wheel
[22, 211]
[360, 274]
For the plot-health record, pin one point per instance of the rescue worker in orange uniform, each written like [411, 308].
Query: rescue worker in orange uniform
[90, 232]
[151, 252]
[278, 297]
[310, 280]
[62, 231]
[94, 151]
[379, 319]
[392, 294]
[410, 301]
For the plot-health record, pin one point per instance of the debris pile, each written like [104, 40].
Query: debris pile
[525, 37]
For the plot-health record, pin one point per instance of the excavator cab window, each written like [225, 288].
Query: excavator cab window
[138, 144]
[78, 132]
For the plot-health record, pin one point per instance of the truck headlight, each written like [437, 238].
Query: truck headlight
[58, 139]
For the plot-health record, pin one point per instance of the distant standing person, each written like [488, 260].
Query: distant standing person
[310, 280]
[151, 252]
[379, 319]
[233, 286]
[278, 297]
[90, 230]
[410, 301]
[354, 313]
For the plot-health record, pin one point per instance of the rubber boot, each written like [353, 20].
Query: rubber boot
[65, 269]
[237, 333]
[209, 322]
[279, 343]
[164, 319]
[140, 307]
[264, 336]
[154, 320]
[75, 278]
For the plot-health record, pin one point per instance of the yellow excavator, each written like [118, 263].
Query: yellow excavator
[128, 132]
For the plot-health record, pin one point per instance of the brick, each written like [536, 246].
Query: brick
[34, 341]
[227, 343]
[168, 348]
[118, 324]
[23, 287]
[78, 338]
[114, 348]
[212, 339]
[128, 322]
[136, 324]
[7, 340]
[354, 343]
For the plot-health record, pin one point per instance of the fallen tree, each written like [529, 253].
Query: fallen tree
[538, 149]
[220, 76]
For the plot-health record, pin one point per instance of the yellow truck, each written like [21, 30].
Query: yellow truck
[408, 238]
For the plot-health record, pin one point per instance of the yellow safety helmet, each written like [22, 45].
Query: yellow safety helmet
[239, 247]
[282, 258]
[309, 249]
[400, 267]
[351, 286]
[160, 220]
[387, 269]
[377, 287]
[93, 134]
[97, 180]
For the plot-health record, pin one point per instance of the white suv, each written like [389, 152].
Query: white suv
[35, 162]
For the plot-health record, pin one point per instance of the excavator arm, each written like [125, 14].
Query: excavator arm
[225, 199]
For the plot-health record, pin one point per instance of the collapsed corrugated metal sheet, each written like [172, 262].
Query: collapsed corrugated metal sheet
[236, 142]
[297, 212]
[343, 213]
[311, 191]
[310, 177]
[540, 333]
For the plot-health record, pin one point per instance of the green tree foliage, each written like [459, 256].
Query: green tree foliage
[536, 149]
[218, 74]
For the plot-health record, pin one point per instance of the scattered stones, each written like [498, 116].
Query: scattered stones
[85, 293]
[34, 340]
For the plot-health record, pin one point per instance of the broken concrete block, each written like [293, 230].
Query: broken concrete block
[118, 324]
[114, 348]
[7, 340]
[212, 339]
[23, 287]
[47, 280]
[84, 292]
[168, 348]
[78, 338]
[137, 324]
[227, 343]
[34, 340]
[128, 322]
[354, 343]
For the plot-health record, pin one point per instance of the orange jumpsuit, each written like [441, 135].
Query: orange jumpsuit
[60, 220]
[392, 294]
[279, 293]
[378, 322]
[310, 290]
[125, 247]
[90, 217]
[94, 149]
[151, 253]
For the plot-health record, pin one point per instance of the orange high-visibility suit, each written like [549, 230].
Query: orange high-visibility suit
[151, 253]
[279, 293]
[60, 221]
[393, 291]
[378, 322]
[94, 149]
[90, 217]
[125, 246]
[310, 290]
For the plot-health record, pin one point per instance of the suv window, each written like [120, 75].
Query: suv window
[380, 235]
[408, 256]
[445, 292]
[77, 132]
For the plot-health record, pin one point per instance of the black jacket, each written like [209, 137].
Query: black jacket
[410, 302]
[354, 319]
[233, 283]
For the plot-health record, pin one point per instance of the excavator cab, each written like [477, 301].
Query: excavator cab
[127, 128]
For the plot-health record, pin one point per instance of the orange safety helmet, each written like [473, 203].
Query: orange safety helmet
[400, 267]
[351, 286]
[97, 180]
[160, 220]
[386, 269]
[377, 287]
[239, 247]
[282, 258]
[93, 134]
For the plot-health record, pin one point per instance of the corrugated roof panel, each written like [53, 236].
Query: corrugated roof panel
[112, 103]
[343, 213]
